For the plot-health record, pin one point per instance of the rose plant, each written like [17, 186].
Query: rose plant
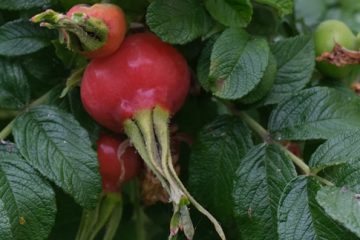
[98, 98]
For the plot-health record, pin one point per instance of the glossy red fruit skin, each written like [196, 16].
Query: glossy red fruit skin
[145, 72]
[115, 171]
[113, 17]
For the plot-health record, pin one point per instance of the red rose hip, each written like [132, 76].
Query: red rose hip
[145, 72]
[114, 19]
[94, 31]
[137, 89]
[116, 165]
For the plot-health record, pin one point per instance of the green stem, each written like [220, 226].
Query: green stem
[108, 205]
[5, 132]
[266, 136]
[139, 215]
[81, 226]
[8, 114]
[254, 125]
[44, 98]
[72, 81]
[323, 180]
[140, 219]
[298, 161]
[114, 221]
[88, 219]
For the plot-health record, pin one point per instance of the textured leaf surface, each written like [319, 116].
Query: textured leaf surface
[238, 62]
[44, 65]
[178, 22]
[54, 143]
[343, 148]
[344, 175]
[14, 87]
[73, 105]
[260, 179]
[5, 226]
[284, 7]
[315, 113]
[44, 71]
[342, 205]
[22, 4]
[296, 61]
[236, 13]
[214, 159]
[300, 217]
[203, 65]
[264, 21]
[27, 202]
[21, 37]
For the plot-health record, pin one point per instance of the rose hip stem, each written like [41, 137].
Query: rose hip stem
[108, 213]
[147, 128]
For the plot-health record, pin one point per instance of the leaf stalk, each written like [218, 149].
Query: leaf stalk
[6, 131]
[266, 136]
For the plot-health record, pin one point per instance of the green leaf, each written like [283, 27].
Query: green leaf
[202, 111]
[70, 59]
[301, 217]
[343, 148]
[22, 4]
[44, 70]
[54, 143]
[216, 155]
[72, 103]
[134, 9]
[14, 87]
[265, 85]
[315, 113]
[284, 7]
[344, 175]
[27, 202]
[342, 205]
[260, 179]
[264, 22]
[178, 22]
[203, 65]
[44, 65]
[5, 226]
[82, 116]
[232, 13]
[21, 37]
[238, 62]
[296, 61]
